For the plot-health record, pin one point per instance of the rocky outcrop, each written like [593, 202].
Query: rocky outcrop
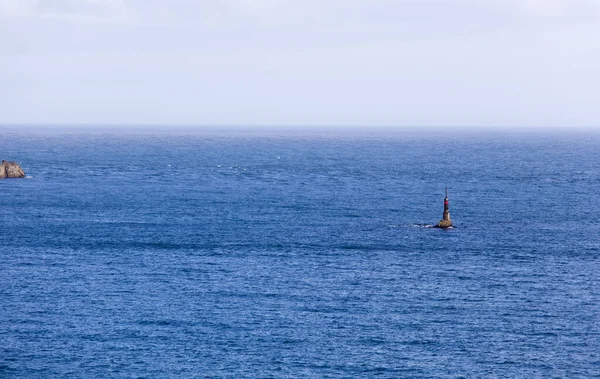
[11, 170]
[444, 224]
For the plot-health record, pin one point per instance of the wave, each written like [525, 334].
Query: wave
[398, 226]
[422, 226]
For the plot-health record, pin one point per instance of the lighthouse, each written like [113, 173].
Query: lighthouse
[445, 223]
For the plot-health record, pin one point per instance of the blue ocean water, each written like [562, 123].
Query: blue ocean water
[239, 255]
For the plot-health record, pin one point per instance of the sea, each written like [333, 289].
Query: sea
[253, 253]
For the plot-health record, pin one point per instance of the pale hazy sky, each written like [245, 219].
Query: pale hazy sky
[301, 62]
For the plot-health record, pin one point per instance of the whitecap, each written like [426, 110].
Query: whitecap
[422, 226]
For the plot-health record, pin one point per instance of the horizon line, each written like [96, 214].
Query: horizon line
[297, 127]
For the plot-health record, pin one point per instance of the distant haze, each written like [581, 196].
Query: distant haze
[533, 63]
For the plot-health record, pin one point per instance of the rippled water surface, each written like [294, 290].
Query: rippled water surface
[209, 255]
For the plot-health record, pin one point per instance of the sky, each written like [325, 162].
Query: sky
[481, 63]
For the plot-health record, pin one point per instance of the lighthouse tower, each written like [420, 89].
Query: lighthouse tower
[445, 222]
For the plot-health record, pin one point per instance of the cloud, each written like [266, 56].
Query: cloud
[86, 10]
[337, 16]
[549, 10]
[17, 8]
[82, 11]
[402, 19]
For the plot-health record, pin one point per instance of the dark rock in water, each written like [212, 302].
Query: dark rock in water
[445, 223]
[11, 170]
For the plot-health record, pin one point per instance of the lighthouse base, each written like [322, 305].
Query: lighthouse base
[444, 224]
